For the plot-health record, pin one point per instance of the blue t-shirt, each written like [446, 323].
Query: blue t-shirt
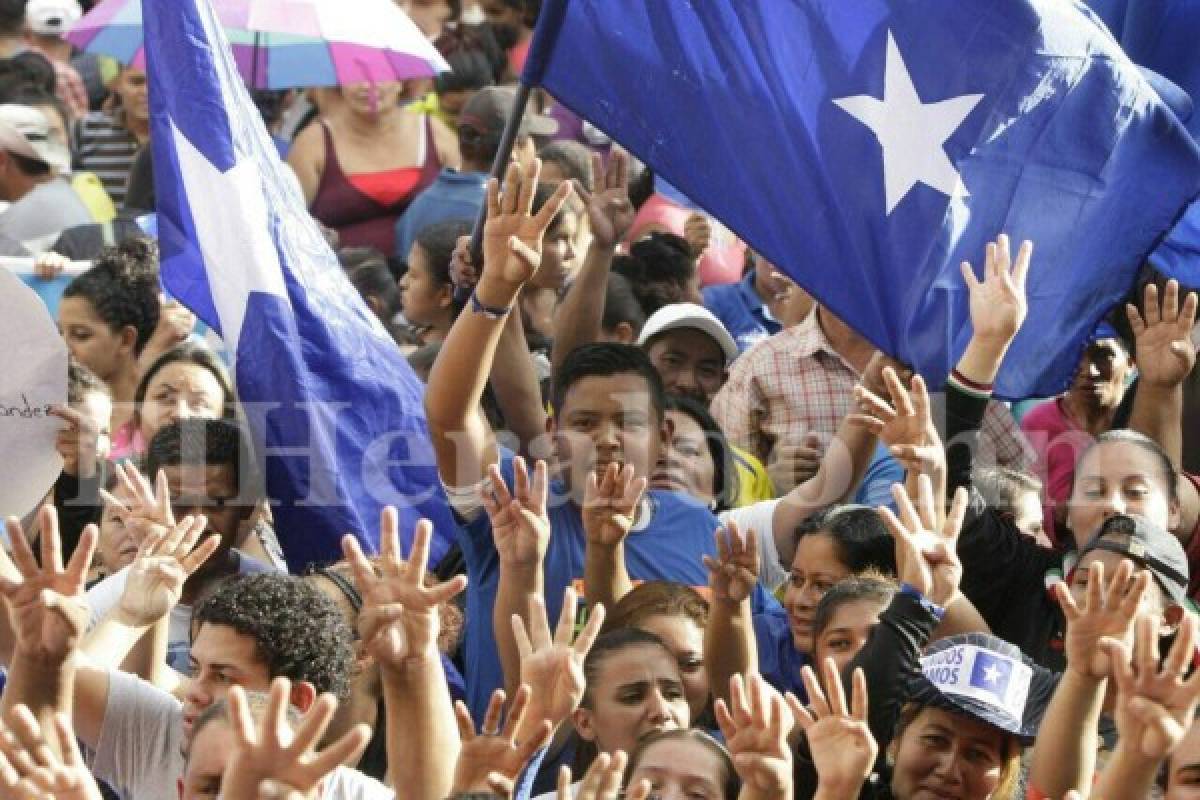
[779, 661]
[670, 547]
[741, 311]
[876, 487]
[454, 195]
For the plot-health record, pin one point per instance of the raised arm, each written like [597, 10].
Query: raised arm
[399, 624]
[840, 743]
[1064, 756]
[1165, 356]
[578, 319]
[755, 723]
[521, 532]
[512, 252]
[730, 645]
[610, 503]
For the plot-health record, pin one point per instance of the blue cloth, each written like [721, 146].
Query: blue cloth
[779, 661]
[671, 547]
[766, 113]
[876, 487]
[454, 195]
[741, 311]
[50, 291]
[335, 410]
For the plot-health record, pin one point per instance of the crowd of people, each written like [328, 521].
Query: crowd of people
[709, 542]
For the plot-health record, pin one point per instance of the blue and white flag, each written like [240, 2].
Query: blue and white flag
[869, 147]
[335, 409]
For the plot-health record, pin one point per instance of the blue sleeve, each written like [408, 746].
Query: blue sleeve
[524, 788]
[778, 661]
[876, 487]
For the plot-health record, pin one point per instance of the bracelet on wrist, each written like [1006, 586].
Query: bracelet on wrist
[491, 312]
[920, 597]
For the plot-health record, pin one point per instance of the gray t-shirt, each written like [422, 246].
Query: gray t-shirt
[140, 749]
[40, 217]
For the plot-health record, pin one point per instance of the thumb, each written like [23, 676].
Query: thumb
[524, 252]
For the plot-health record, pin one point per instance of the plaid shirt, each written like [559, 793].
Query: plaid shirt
[795, 383]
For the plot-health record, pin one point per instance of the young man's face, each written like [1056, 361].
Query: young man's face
[608, 419]
[221, 657]
[690, 362]
[211, 491]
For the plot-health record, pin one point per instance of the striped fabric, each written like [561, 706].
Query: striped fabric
[107, 149]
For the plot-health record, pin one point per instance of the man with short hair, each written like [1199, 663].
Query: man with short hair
[46, 22]
[32, 164]
[458, 193]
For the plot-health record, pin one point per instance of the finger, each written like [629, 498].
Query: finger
[908, 514]
[499, 487]
[529, 187]
[466, 725]
[241, 721]
[725, 721]
[111, 501]
[346, 750]
[564, 784]
[491, 717]
[1187, 315]
[539, 625]
[1183, 649]
[312, 726]
[968, 275]
[1062, 593]
[816, 696]
[1136, 323]
[1146, 646]
[511, 193]
[523, 251]
[566, 618]
[418, 559]
[447, 590]
[520, 480]
[524, 646]
[81, 560]
[516, 713]
[858, 695]
[620, 163]
[900, 397]
[1020, 273]
[956, 515]
[925, 503]
[611, 786]
[541, 486]
[1150, 308]
[598, 174]
[553, 206]
[1095, 587]
[738, 702]
[639, 791]
[1170, 305]
[51, 543]
[833, 686]
[201, 553]
[1119, 659]
[585, 640]
[501, 786]
[274, 723]
[493, 198]
[22, 556]
[364, 573]
[1133, 597]
[870, 403]
[162, 498]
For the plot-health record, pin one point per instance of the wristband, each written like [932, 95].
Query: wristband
[491, 312]
[970, 384]
[926, 603]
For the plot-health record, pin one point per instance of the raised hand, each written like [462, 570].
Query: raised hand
[273, 751]
[1108, 611]
[756, 724]
[734, 572]
[42, 765]
[1165, 352]
[553, 667]
[602, 781]
[1155, 704]
[512, 235]
[48, 604]
[78, 443]
[697, 232]
[839, 738]
[148, 510]
[610, 213]
[165, 560]
[905, 425]
[520, 525]
[492, 760]
[399, 618]
[610, 504]
[998, 305]
[926, 554]
[793, 462]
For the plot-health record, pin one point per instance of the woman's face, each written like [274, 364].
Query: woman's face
[90, 339]
[944, 756]
[816, 567]
[1100, 379]
[686, 464]
[558, 253]
[372, 99]
[685, 639]
[681, 769]
[116, 548]
[637, 691]
[180, 390]
[1183, 768]
[1118, 478]
[847, 632]
[130, 87]
[425, 302]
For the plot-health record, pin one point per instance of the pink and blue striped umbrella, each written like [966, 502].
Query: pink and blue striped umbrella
[280, 44]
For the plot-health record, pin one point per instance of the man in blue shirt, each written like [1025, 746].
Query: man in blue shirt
[750, 308]
[458, 194]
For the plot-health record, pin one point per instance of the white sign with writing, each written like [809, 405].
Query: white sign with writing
[33, 378]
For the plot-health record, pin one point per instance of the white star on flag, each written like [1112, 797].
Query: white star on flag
[910, 132]
[991, 674]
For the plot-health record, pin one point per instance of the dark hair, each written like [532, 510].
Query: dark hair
[607, 644]
[1169, 475]
[12, 16]
[660, 268]
[139, 191]
[82, 381]
[621, 305]
[469, 59]
[122, 287]
[189, 353]
[438, 241]
[206, 442]
[298, 631]
[1001, 486]
[29, 70]
[731, 785]
[861, 539]
[725, 477]
[370, 274]
[573, 158]
[607, 359]
[654, 599]
[543, 193]
[873, 587]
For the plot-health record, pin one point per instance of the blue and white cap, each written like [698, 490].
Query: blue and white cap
[987, 678]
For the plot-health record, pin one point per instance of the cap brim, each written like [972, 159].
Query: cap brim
[703, 324]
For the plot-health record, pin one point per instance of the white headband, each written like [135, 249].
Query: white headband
[983, 675]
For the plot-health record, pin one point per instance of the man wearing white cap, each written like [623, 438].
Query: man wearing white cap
[32, 161]
[45, 22]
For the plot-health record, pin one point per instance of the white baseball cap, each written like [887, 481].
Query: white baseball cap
[52, 17]
[689, 315]
[24, 130]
